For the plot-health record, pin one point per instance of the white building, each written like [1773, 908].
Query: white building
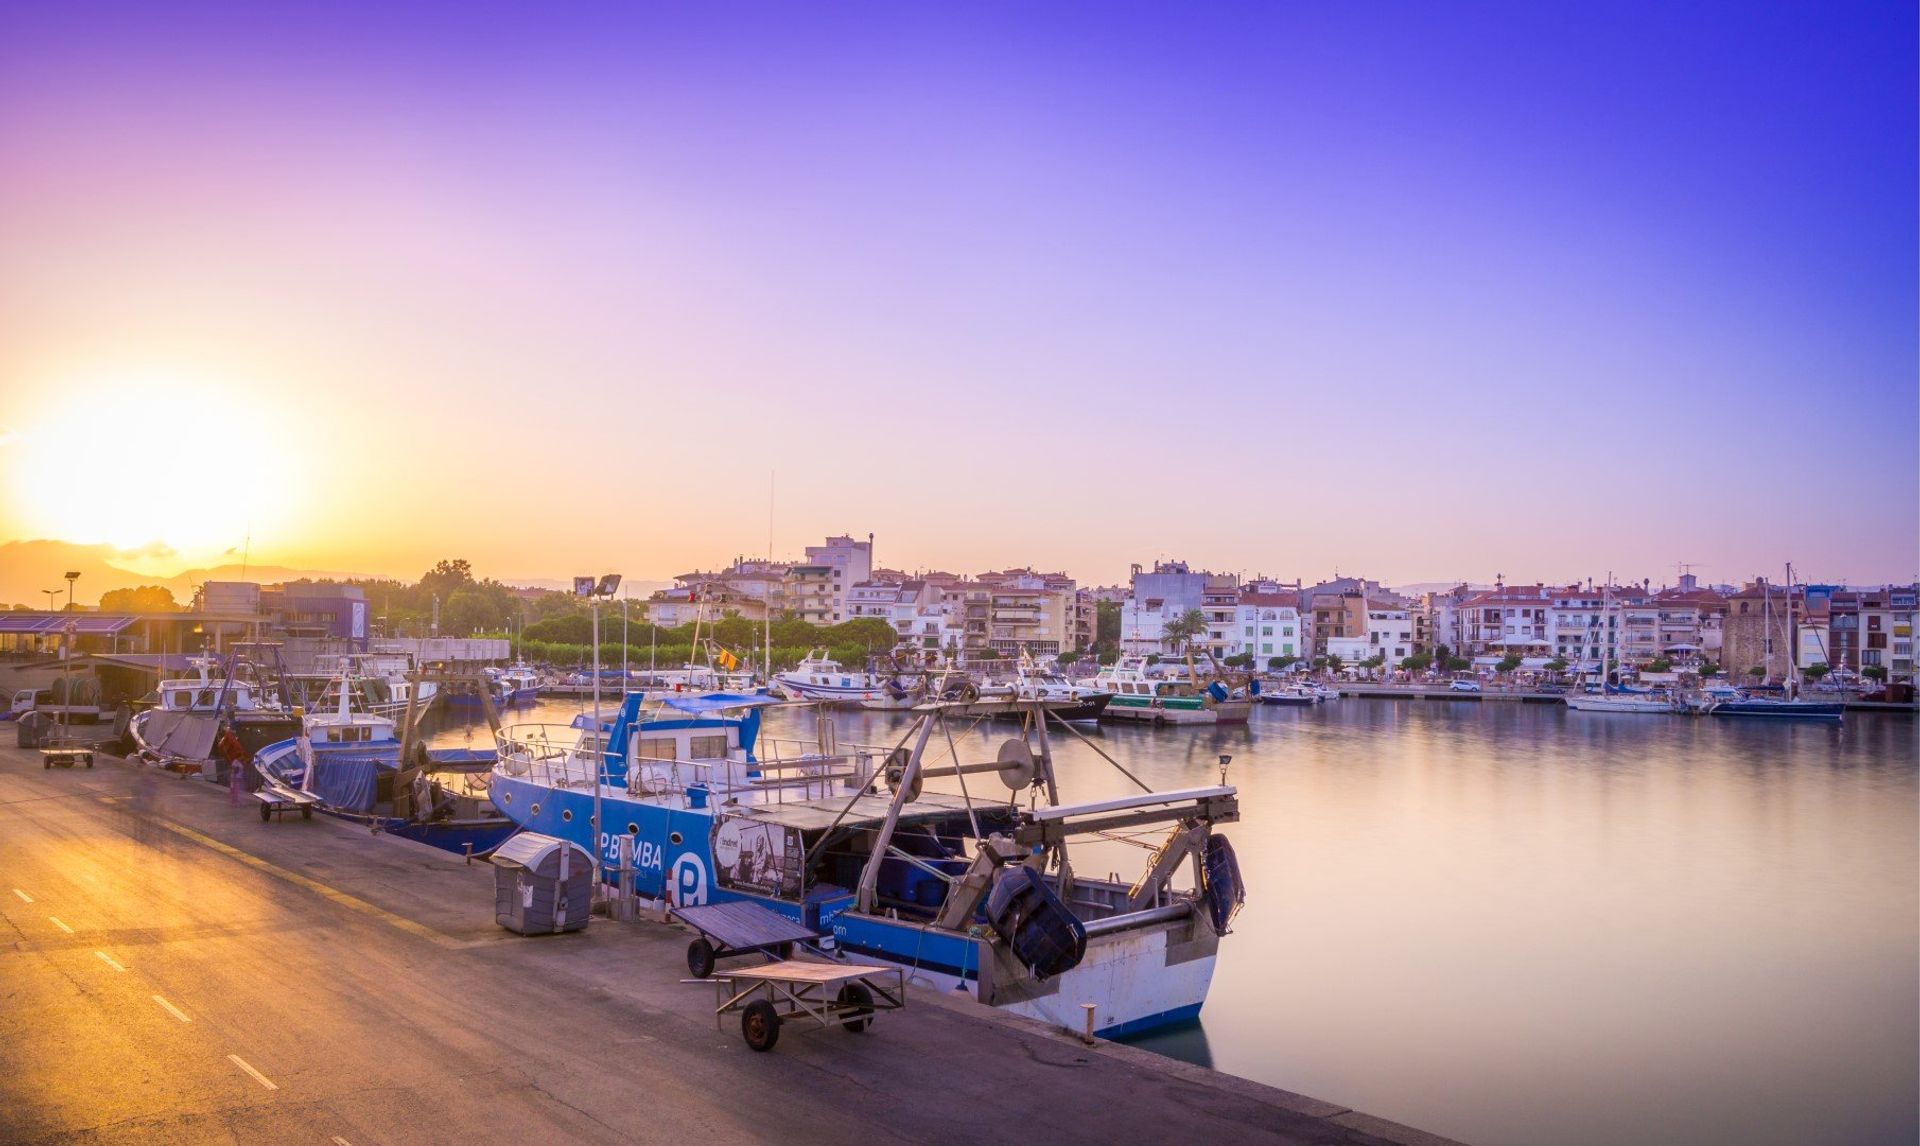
[1268, 626]
[1389, 634]
[848, 563]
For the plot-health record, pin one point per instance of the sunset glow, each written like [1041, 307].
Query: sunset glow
[1280, 275]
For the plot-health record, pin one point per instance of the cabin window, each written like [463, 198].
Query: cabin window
[657, 748]
[566, 815]
[707, 747]
[205, 697]
[536, 809]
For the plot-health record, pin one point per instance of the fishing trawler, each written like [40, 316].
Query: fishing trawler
[178, 731]
[964, 887]
[1165, 700]
[349, 760]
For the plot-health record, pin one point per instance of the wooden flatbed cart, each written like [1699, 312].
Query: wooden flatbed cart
[277, 799]
[66, 754]
[738, 928]
[831, 994]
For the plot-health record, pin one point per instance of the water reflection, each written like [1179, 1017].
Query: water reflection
[1514, 923]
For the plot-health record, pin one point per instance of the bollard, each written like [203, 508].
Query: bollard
[1088, 1037]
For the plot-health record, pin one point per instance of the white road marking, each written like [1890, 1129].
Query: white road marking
[24, 897]
[108, 960]
[339, 1141]
[262, 1079]
[55, 920]
[176, 1012]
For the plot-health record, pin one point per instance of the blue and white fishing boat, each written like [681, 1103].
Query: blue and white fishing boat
[820, 677]
[970, 888]
[349, 759]
[519, 684]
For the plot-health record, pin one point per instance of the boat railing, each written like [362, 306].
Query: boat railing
[765, 780]
[783, 771]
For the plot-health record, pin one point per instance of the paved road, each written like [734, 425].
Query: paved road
[174, 970]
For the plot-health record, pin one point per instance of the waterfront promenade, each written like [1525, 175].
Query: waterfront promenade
[176, 970]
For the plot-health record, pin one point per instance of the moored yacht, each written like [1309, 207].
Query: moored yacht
[820, 677]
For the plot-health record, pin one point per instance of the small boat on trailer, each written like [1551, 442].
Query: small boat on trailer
[972, 888]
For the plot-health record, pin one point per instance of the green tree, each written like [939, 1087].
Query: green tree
[470, 611]
[1334, 662]
[1756, 672]
[1819, 671]
[1418, 662]
[1106, 624]
[1181, 631]
[1874, 672]
[1557, 664]
[145, 599]
[1153, 658]
[1708, 668]
[1066, 658]
[1458, 664]
[1660, 664]
[1507, 663]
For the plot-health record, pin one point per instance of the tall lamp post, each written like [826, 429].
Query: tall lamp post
[596, 591]
[66, 667]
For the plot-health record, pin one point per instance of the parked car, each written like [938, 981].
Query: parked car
[1464, 686]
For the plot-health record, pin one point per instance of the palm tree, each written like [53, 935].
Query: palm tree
[1181, 631]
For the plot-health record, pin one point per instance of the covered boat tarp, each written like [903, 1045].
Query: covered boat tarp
[350, 783]
[181, 735]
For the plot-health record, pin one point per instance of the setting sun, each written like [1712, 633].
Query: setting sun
[137, 459]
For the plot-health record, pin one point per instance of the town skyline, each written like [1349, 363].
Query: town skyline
[20, 585]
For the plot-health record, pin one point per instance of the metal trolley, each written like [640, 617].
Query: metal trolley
[830, 994]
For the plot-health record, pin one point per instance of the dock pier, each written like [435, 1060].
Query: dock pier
[179, 970]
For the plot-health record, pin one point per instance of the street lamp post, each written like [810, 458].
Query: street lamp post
[596, 591]
[66, 665]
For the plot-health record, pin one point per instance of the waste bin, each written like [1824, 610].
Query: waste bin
[541, 885]
[31, 730]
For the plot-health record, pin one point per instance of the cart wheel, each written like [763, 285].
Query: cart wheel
[306, 811]
[47, 763]
[760, 1025]
[89, 761]
[857, 997]
[700, 959]
[266, 811]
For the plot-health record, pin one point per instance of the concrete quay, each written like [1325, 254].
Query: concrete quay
[174, 970]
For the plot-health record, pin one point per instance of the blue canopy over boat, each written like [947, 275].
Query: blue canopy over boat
[701, 703]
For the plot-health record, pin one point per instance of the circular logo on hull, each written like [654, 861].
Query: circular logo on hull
[688, 880]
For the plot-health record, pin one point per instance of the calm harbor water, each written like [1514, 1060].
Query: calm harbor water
[1518, 924]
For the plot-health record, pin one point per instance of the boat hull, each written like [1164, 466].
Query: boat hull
[1779, 710]
[1622, 705]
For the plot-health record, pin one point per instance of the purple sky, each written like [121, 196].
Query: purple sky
[1419, 292]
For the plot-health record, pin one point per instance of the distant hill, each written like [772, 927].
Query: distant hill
[27, 567]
